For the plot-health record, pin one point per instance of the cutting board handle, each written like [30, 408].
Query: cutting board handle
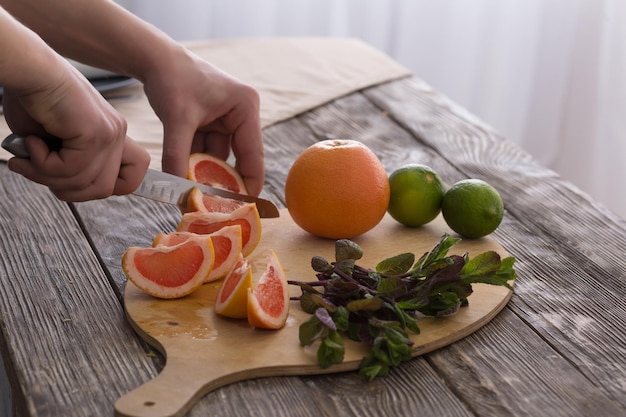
[204, 352]
[171, 394]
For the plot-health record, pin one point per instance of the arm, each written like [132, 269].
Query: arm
[44, 95]
[96, 32]
[202, 109]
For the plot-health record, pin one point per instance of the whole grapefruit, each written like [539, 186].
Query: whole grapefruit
[337, 189]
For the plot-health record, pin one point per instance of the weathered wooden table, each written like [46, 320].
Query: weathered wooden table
[557, 349]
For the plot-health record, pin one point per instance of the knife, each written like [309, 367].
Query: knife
[157, 185]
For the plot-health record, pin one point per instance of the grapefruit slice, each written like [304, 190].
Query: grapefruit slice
[171, 239]
[170, 271]
[268, 303]
[205, 223]
[232, 298]
[227, 244]
[198, 201]
[209, 170]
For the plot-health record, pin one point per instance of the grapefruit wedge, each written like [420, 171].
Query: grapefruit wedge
[170, 271]
[198, 201]
[171, 239]
[232, 298]
[204, 223]
[227, 243]
[268, 303]
[209, 170]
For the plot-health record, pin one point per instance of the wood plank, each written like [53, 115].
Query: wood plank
[414, 389]
[343, 394]
[301, 396]
[64, 338]
[535, 195]
[506, 370]
[450, 149]
[205, 352]
[573, 284]
[585, 347]
[118, 222]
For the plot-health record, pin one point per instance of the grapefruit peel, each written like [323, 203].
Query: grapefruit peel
[232, 298]
[227, 245]
[170, 271]
[215, 172]
[268, 303]
[246, 216]
[199, 201]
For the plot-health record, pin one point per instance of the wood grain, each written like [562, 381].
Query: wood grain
[570, 278]
[205, 352]
[117, 222]
[557, 349]
[65, 341]
[440, 134]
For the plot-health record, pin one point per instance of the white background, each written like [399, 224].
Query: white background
[547, 74]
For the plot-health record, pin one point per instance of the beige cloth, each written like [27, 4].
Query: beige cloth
[292, 75]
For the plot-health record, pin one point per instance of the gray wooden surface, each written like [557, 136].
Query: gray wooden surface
[557, 349]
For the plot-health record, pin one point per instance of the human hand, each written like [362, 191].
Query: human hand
[206, 110]
[202, 108]
[96, 159]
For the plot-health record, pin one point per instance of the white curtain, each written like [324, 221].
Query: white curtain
[547, 74]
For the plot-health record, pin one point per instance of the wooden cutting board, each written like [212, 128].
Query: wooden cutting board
[205, 351]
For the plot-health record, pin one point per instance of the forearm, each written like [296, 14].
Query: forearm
[27, 63]
[96, 32]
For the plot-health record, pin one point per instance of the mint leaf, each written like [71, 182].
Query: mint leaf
[347, 249]
[307, 303]
[438, 252]
[331, 351]
[311, 330]
[365, 304]
[396, 265]
[487, 268]
[484, 264]
[324, 317]
[341, 318]
[320, 264]
[405, 320]
[391, 287]
[370, 367]
[377, 307]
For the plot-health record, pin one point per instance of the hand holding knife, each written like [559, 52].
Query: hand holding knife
[161, 186]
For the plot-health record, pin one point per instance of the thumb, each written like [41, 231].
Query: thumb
[133, 166]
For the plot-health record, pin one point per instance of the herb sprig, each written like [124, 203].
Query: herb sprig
[379, 306]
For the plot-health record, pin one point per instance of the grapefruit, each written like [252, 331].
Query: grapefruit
[170, 271]
[247, 217]
[171, 239]
[268, 303]
[232, 298]
[227, 244]
[337, 189]
[209, 170]
[198, 201]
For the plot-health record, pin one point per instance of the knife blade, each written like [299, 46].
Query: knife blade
[161, 186]
[168, 188]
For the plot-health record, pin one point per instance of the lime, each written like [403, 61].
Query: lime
[416, 192]
[472, 208]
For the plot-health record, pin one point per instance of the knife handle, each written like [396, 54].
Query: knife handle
[16, 144]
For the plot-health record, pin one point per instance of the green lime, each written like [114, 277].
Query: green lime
[472, 208]
[416, 192]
